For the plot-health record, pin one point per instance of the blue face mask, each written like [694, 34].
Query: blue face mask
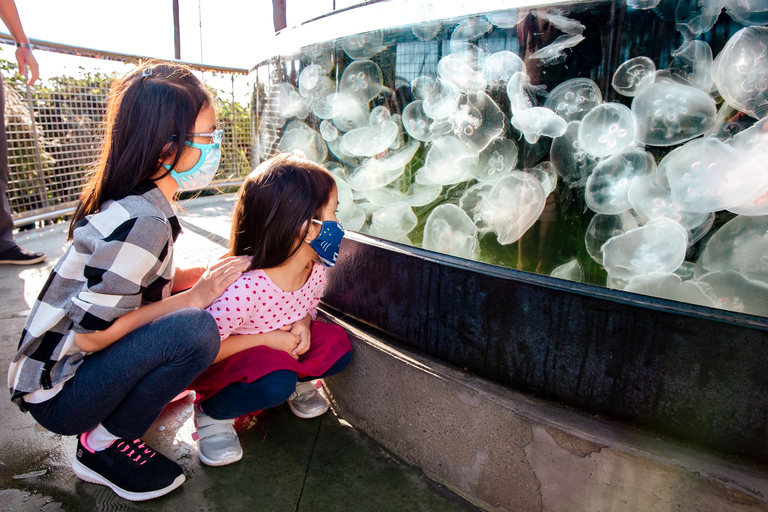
[327, 243]
[201, 174]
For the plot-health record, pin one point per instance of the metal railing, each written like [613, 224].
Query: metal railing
[54, 128]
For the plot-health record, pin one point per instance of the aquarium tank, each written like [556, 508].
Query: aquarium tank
[618, 144]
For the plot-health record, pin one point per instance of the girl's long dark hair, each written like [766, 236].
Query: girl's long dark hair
[150, 112]
[276, 204]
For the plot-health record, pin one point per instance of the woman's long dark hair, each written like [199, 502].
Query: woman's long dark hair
[150, 112]
[276, 204]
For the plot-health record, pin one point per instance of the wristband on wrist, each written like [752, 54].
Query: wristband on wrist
[23, 45]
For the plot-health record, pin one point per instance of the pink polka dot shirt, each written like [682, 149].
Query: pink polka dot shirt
[254, 304]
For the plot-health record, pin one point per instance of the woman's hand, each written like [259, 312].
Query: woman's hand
[216, 278]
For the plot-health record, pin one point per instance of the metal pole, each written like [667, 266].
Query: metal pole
[38, 160]
[234, 128]
[200, 20]
[176, 31]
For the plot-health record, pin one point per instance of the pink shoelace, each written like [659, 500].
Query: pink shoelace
[138, 449]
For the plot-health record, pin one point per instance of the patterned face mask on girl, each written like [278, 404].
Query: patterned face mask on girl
[328, 242]
[201, 174]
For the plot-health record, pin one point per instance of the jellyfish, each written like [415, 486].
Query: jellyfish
[669, 113]
[659, 246]
[361, 79]
[393, 221]
[494, 161]
[422, 86]
[471, 29]
[607, 129]
[651, 197]
[369, 141]
[426, 31]
[500, 67]
[379, 117]
[448, 161]
[632, 75]
[563, 23]
[752, 144]
[422, 195]
[505, 19]
[397, 159]
[416, 122]
[604, 227]
[695, 17]
[442, 101]
[738, 245]
[570, 271]
[706, 176]
[539, 121]
[694, 63]
[298, 136]
[449, 230]
[383, 196]
[670, 286]
[747, 12]
[466, 79]
[372, 175]
[353, 218]
[735, 292]
[364, 46]
[546, 173]
[472, 201]
[741, 72]
[513, 205]
[311, 80]
[290, 103]
[571, 162]
[328, 131]
[608, 185]
[348, 112]
[643, 5]
[554, 52]
[522, 95]
[476, 121]
[573, 98]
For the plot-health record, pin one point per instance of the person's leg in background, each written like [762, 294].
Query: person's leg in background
[10, 253]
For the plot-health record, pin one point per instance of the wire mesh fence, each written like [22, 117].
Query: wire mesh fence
[55, 128]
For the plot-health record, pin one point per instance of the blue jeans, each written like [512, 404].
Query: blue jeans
[272, 389]
[126, 385]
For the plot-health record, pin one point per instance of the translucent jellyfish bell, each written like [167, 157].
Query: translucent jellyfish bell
[393, 221]
[310, 79]
[609, 184]
[416, 122]
[298, 136]
[539, 121]
[554, 52]
[369, 141]
[694, 63]
[442, 101]
[573, 98]
[348, 111]
[494, 161]
[604, 227]
[651, 197]
[500, 67]
[364, 46]
[513, 205]
[449, 230]
[522, 95]
[426, 31]
[669, 113]
[448, 161]
[397, 159]
[422, 195]
[476, 121]
[572, 163]
[471, 29]
[456, 71]
[671, 286]
[472, 203]
[741, 73]
[361, 79]
[607, 129]
[735, 292]
[290, 103]
[372, 175]
[546, 173]
[695, 17]
[422, 86]
[328, 131]
[506, 19]
[706, 175]
[738, 245]
[570, 271]
[659, 246]
[632, 75]
[563, 23]
[747, 12]
[379, 118]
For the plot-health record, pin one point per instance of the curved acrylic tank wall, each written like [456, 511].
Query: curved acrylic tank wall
[618, 145]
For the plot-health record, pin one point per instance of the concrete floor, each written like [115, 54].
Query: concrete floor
[290, 464]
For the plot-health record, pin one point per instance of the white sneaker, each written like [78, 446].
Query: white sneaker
[217, 441]
[306, 401]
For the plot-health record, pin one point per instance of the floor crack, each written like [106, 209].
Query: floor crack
[309, 463]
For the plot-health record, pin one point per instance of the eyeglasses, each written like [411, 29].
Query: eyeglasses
[215, 135]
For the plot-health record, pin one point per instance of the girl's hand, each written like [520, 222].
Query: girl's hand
[302, 330]
[283, 340]
[216, 278]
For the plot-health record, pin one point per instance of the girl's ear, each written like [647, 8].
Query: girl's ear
[313, 231]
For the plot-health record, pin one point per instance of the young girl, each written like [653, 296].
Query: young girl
[272, 350]
[106, 346]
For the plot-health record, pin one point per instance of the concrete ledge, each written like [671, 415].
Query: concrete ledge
[507, 451]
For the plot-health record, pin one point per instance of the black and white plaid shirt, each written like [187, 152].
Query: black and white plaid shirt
[120, 258]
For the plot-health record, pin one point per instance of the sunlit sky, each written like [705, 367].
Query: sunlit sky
[231, 30]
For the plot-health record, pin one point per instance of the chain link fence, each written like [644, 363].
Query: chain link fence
[55, 128]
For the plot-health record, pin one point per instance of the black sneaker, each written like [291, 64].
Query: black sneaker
[18, 256]
[133, 470]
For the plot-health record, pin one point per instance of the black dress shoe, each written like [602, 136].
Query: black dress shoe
[18, 256]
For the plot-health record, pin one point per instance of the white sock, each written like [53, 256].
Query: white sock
[99, 438]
